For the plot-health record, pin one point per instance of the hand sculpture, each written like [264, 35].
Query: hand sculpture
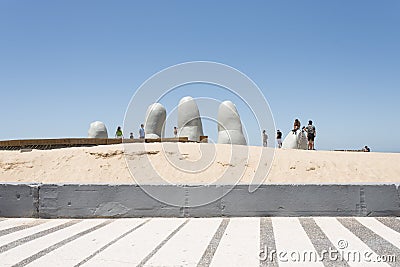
[229, 125]
[189, 120]
[154, 125]
[97, 130]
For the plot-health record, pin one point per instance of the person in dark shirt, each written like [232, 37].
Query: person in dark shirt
[311, 133]
[279, 138]
[366, 149]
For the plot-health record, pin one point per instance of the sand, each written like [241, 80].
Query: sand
[192, 163]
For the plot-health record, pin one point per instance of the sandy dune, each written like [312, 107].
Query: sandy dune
[193, 163]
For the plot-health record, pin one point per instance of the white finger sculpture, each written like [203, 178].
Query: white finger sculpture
[97, 130]
[189, 120]
[155, 120]
[229, 125]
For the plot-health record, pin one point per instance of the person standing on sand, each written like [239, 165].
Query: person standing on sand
[264, 138]
[311, 134]
[366, 149]
[175, 132]
[118, 133]
[279, 138]
[131, 136]
[296, 125]
[141, 131]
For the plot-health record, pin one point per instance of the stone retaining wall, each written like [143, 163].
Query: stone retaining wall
[97, 200]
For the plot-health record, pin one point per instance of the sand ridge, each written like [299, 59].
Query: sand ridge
[108, 164]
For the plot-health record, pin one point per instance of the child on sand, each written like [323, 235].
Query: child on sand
[141, 131]
[118, 133]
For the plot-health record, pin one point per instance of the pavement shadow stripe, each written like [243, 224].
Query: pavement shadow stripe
[8, 223]
[392, 223]
[267, 242]
[111, 243]
[26, 239]
[320, 242]
[154, 251]
[60, 244]
[213, 245]
[20, 227]
[374, 241]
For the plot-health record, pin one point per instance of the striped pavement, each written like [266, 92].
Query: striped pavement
[275, 241]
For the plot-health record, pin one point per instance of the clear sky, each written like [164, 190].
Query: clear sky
[64, 64]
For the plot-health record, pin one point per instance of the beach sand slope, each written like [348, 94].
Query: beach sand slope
[192, 163]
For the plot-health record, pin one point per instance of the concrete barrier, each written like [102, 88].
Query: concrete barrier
[84, 201]
[96, 200]
[19, 200]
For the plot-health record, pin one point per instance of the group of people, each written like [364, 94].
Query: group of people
[278, 138]
[119, 134]
[310, 130]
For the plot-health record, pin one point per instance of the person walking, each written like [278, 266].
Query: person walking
[141, 132]
[118, 133]
[264, 138]
[175, 132]
[311, 134]
[279, 138]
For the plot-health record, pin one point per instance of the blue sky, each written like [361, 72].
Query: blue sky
[64, 64]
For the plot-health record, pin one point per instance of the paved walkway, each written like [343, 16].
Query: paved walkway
[317, 241]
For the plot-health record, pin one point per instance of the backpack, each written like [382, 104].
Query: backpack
[310, 129]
